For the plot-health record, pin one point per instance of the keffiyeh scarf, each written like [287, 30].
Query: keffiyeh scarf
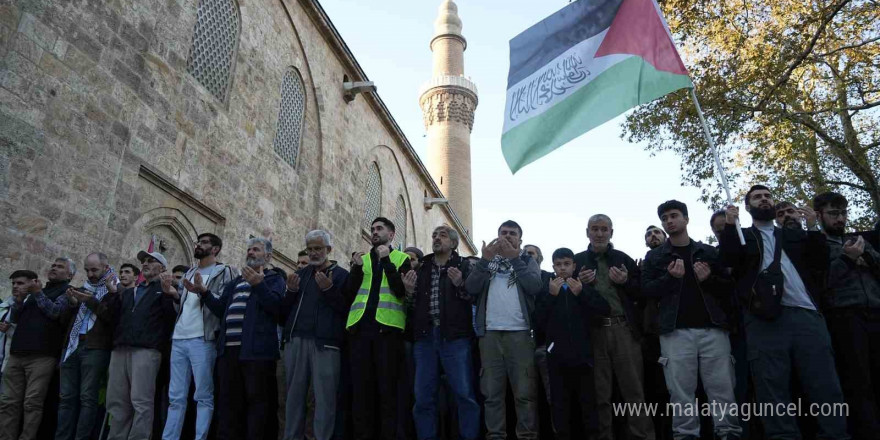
[84, 316]
[502, 265]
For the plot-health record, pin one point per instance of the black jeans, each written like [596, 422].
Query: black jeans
[567, 385]
[376, 358]
[244, 390]
[855, 335]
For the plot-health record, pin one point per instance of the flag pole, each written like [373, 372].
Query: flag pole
[721, 174]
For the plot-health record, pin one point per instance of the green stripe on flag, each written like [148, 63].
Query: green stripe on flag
[619, 88]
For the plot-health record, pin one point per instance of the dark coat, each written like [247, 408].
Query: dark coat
[565, 321]
[259, 333]
[145, 324]
[628, 293]
[36, 332]
[331, 310]
[455, 303]
[658, 283]
[807, 250]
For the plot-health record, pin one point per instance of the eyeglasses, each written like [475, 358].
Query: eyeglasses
[836, 213]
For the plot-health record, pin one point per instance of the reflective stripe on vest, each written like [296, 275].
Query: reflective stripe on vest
[390, 311]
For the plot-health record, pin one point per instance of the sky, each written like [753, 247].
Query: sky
[551, 199]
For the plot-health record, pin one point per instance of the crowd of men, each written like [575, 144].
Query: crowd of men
[407, 345]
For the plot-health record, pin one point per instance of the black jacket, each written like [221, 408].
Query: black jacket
[628, 292]
[540, 337]
[145, 324]
[456, 314]
[850, 284]
[259, 332]
[100, 337]
[35, 331]
[565, 321]
[331, 309]
[658, 283]
[807, 250]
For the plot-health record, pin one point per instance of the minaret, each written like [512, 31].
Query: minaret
[448, 102]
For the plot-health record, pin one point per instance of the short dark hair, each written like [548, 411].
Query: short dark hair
[133, 268]
[561, 253]
[832, 199]
[654, 227]
[302, 253]
[215, 240]
[782, 205]
[753, 189]
[180, 268]
[388, 223]
[23, 273]
[670, 205]
[716, 214]
[511, 224]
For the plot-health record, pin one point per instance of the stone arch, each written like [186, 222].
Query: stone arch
[395, 185]
[175, 231]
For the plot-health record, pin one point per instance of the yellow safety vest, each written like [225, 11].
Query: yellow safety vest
[390, 311]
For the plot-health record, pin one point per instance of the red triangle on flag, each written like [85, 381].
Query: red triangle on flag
[638, 30]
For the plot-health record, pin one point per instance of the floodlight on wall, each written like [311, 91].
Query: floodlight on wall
[431, 201]
[352, 89]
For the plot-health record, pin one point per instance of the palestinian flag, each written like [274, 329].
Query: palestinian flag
[581, 67]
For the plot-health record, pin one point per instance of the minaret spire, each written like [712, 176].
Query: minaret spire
[448, 102]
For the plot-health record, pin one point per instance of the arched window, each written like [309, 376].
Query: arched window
[215, 38]
[290, 117]
[373, 201]
[400, 223]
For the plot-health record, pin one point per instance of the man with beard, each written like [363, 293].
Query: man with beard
[87, 351]
[792, 339]
[788, 216]
[376, 320]
[655, 383]
[443, 334]
[313, 312]
[504, 285]
[654, 237]
[852, 305]
[193, 349]
[685, 275]
[247, 345]
[128, 275]
[40, 314]
[142, 318]
[616, 337]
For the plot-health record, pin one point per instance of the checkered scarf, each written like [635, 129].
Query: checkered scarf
[85, 316]
[500, 264]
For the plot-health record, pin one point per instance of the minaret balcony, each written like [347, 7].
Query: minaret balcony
[461, 82]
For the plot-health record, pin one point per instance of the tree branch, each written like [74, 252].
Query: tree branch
[853, 185]
[852, 46]
[803, 55]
